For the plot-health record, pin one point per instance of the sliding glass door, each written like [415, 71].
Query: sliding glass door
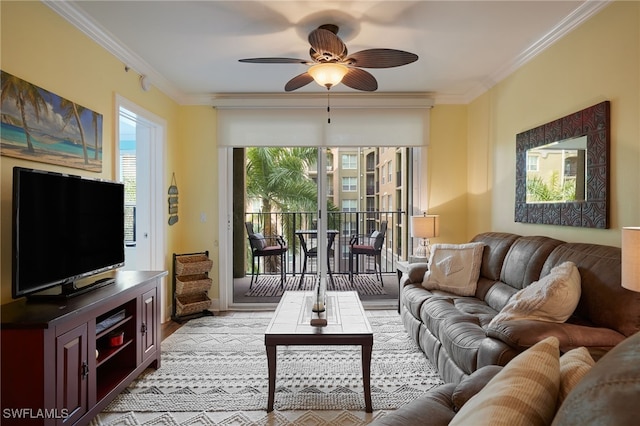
[277, 191]
[362, 181]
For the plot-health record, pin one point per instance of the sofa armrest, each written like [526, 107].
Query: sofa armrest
[432, 409]
[440, 404]
[472, 384]
[522, 334]
[415, 273]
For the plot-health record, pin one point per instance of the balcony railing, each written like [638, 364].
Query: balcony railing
[347, 224]
[130, 225]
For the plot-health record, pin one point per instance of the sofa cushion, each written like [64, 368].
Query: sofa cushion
[553, 298]
[497, 245]
[454, 268]
[525, 260]
[461, 336]
[573, 366]
[413, 296]
[523, 392]
[609, 393]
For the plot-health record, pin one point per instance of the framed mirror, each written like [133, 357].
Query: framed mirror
[562, 170]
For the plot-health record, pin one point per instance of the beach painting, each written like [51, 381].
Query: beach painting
[41, 126]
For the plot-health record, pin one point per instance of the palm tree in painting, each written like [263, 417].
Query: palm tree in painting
[95, 122]
[24, 93]
[69, 110]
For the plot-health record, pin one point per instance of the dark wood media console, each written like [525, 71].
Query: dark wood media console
[63, 361]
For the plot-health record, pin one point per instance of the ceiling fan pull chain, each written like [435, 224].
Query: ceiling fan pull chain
[328, 106]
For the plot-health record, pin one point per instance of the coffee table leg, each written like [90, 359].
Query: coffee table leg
[271, 361]
[366, 377]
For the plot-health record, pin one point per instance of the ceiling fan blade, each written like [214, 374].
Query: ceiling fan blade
[298, 81]
[381, 58]
[274, 61]
[327, 45]
[360, 80]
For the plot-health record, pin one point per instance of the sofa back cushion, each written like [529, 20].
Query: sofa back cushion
[603, 302]
[525, 259]
[522, 265]
[496, 246]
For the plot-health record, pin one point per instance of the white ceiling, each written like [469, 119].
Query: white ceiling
[190, 49]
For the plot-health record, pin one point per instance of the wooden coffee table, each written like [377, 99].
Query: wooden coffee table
[347, 325]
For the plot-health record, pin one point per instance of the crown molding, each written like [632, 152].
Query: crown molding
[583, 13]
[113, 45]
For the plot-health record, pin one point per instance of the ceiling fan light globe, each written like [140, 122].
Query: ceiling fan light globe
[328, 74]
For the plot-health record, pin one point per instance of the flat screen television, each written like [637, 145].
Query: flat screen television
[65, 228]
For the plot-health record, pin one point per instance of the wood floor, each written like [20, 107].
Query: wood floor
[168, 328]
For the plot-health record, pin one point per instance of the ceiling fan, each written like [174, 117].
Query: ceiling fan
[331, 64]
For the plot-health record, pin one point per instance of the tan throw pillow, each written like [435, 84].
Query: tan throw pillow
[454, 268]
[553, 298]
[573, 366]
[523, 393]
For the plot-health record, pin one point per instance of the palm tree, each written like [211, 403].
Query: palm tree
[278, 178]
[24, 94]
[69, 110]
[540, 191]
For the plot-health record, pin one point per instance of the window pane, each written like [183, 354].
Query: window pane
[349, 162]
[349, 184]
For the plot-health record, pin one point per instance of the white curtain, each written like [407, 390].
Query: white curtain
[349, 127]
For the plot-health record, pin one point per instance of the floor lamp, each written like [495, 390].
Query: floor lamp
[424, 227]
[630, 278]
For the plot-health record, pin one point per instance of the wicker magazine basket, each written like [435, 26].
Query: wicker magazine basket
[187, 304]
[193, 264]
[196, 283]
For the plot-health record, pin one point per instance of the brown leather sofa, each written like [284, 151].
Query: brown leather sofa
[454, 333]
[607, 395]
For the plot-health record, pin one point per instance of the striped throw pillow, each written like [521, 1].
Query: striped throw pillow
[573, 366]
[523, 393]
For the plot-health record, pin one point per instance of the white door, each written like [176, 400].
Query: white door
[134, 155]
[141, 167]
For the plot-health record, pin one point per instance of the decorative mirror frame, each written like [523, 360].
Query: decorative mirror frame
[592, 122]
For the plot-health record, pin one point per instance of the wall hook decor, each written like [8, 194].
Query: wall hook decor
[173, 201]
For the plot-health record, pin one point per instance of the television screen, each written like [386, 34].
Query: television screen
[64, 228]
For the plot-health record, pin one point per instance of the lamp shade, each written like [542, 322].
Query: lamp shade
[328, 74]
[631, 258]
[427, 226]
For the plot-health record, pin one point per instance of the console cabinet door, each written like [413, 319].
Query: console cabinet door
[149, 310]
[72, 374]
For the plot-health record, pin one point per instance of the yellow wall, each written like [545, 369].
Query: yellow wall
[59, 58]
[197, 180]
[447, 171]
[597, 61]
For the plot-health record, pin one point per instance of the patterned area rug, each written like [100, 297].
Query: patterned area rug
[269, 285]
[214, 371]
